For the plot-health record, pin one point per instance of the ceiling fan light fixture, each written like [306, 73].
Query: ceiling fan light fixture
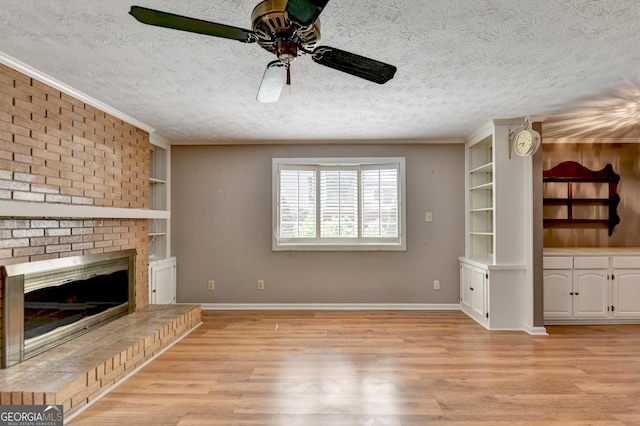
[273, 81]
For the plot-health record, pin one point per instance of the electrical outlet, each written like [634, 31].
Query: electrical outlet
[211, 285]
[260, 284]
[436, 284]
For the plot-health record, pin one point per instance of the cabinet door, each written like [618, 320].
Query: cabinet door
[557, 286]
[626, 293]
[465, 284]
[590, 298]
[478, 290]
[162, 282]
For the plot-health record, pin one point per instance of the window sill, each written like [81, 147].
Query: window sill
[339, 247]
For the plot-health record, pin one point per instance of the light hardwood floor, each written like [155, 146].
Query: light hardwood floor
[380, 368]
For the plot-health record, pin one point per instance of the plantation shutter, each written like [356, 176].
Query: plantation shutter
[380, 201]
[338, 202]
[297, 202]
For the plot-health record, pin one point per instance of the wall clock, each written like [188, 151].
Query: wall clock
[526, 142]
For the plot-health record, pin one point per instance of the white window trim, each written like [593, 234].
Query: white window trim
[276, 245]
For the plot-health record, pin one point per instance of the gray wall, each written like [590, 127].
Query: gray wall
[221, 230]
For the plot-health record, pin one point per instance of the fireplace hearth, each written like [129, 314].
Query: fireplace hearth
[47, 303]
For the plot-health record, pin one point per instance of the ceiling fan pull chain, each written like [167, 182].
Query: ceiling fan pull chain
[288, 67]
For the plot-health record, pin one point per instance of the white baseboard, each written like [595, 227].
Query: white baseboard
[536, 331]
[331, 306]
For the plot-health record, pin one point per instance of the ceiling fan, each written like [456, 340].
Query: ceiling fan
[285, 28]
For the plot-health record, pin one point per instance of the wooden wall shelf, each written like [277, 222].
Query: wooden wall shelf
[571, 172]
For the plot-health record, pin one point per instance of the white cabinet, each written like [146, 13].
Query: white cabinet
[478, 290]
[626, 293]
[465, 284]
[590, 290]
[473, 289]
[490, 294]
[558, 298]
[162, 281]
[590, 293]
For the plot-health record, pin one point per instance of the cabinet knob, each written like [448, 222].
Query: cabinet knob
[471, 288]
[571, 293]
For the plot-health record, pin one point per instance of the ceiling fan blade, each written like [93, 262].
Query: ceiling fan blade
[183, 23]
[273, 81]
[305, 12]
[353, 64]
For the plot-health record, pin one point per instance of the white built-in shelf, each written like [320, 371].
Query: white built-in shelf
[485, 168]
[488, 185]
[159, 198]
[480, 202]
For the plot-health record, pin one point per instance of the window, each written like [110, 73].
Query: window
[339, 203]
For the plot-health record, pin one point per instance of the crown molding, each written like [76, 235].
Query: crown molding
[56, 84]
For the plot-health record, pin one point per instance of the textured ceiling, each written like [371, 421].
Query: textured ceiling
[460, 64]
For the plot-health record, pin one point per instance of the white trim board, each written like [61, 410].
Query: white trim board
[27, 209]
[56, 84]
[331, 306]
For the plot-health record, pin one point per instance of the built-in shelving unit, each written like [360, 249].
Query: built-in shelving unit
[480, 202]
[162, 266]
[159, 199]
[493, 269]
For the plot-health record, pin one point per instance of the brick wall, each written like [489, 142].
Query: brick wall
[57, 149]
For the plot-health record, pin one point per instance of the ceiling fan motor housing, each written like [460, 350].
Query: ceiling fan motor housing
[270, 22]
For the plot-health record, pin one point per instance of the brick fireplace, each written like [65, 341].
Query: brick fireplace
[59, 159]
[50, 302]
[58, 150]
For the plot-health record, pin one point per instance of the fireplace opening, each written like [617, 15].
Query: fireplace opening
[52, 307]
[47, 303]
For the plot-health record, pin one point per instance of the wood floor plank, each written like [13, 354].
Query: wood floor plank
[380, 368]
